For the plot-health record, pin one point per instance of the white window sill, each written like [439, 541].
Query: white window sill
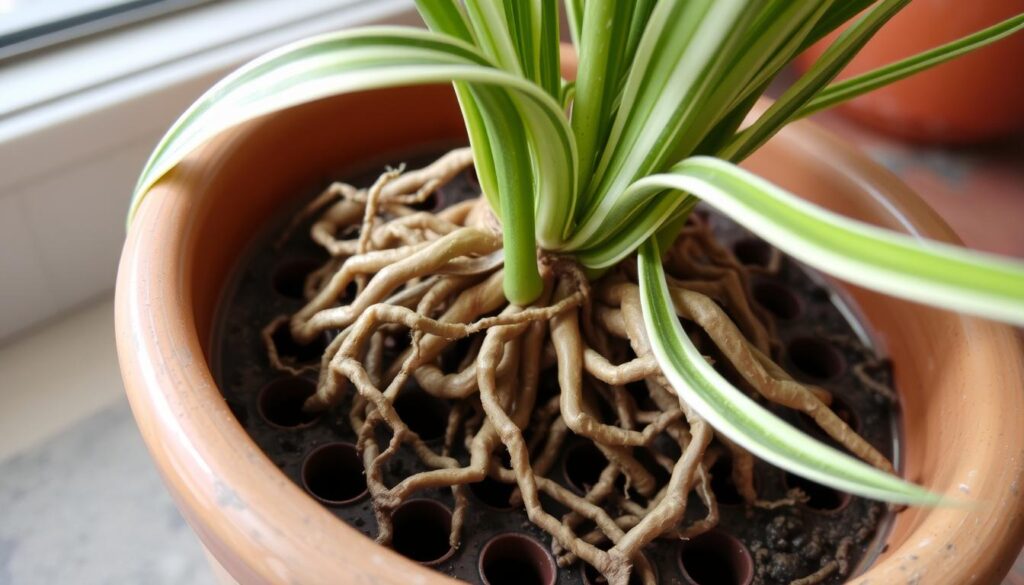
[77, 122]
[34, 406]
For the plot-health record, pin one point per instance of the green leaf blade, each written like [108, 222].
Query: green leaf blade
[692, 60]
[574, 16]
[446, 16]
[598, 77]
[489, 21]
[550, 72]
[512, 162]
[919, 270]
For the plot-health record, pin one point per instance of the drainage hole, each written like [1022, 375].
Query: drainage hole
[514, 559]
[716, 558]
[425, 415]
[583, 465]
[280, 402]
[494, 493]
[753, 252]
[816, 358]
[289, 278]
[422, 529]
[722, 483]
[333, 474]
[822, 498]
[778, 300]
[290, 350]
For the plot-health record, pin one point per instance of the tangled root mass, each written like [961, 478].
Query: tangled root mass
[415, 296]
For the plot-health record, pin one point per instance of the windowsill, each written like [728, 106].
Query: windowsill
[35, 407]
[78, 121]
[75, 476]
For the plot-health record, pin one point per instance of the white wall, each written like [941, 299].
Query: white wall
[77, 123]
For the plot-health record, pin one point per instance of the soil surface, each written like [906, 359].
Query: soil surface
[821, 343]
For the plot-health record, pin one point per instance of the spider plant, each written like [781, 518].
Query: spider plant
[611, 164]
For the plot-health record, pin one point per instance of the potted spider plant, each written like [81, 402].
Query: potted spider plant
[560, 293]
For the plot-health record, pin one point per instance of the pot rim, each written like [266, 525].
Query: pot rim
[173, 397]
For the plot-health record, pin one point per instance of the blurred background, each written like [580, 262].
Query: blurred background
[86, 89]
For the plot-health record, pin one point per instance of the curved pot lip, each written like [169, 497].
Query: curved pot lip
[198, 446]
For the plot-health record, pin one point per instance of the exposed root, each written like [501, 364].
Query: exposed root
[415, 298]
[818, 576]
[793, 497]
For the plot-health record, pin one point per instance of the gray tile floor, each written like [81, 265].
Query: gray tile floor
[87, 507]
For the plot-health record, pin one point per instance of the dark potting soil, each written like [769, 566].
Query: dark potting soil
[821, 343]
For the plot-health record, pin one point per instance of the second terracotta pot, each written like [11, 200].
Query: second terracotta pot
[974, 98]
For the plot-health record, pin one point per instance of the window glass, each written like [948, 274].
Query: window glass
[26, 25]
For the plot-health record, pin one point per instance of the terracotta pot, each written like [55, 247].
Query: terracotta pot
[974, 98]
[960, 378]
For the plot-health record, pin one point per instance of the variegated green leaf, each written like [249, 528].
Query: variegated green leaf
[741, 419]
[387, 57]
[920, 270]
